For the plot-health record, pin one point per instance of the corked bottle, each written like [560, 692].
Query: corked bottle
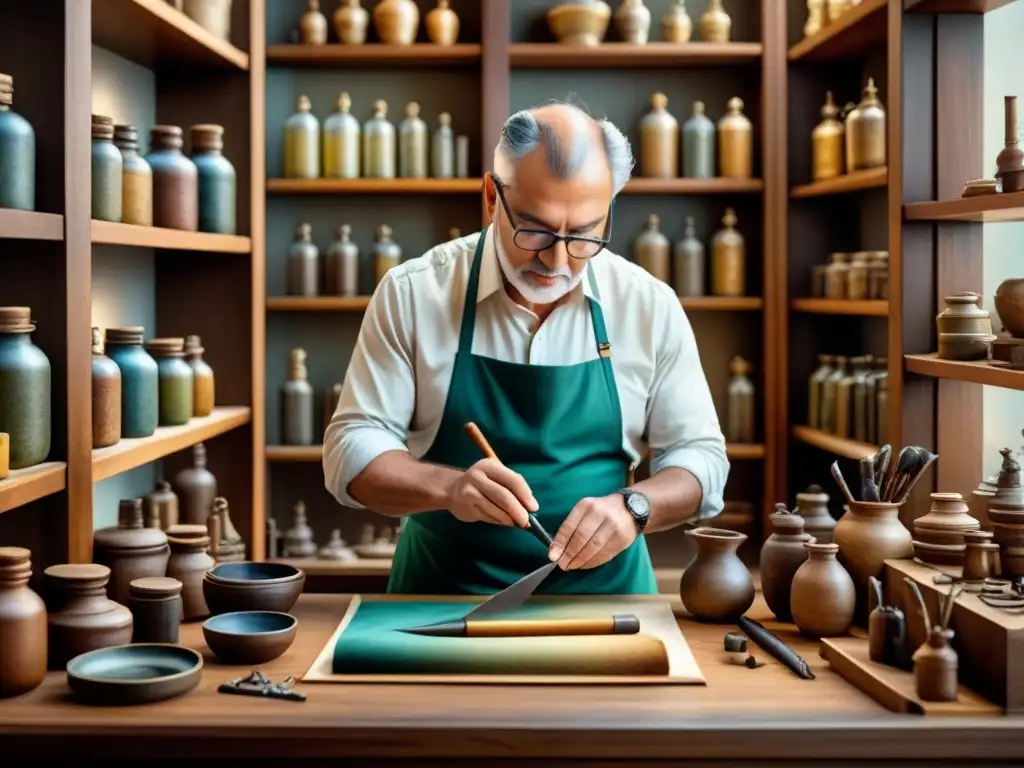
[386, 253]
[823, 596]
[781, 555]
[196, 487]
[189, 563]
[313, 25]
[140, 382]
[699, 144]
[303, 263]
[653, 249]
[161, 504]
[379, 144]
[106, 396]
[297, 403]
[827, 143]
[413, 143]
[735, 143]
[155, 603]
[24, 389]
[203, 384]
[136, 178]
[341, 141]
[17, 153]
[175, 381]
[341, 265]
[690, 263]
[442, 149]
[659, 141]
[22, 625]
[81, 616]
[130, 550]
[175, 180]
[217, 184]
[728, 259]
[107, 168]
[865, 132]
[302, 142]
[740, 422]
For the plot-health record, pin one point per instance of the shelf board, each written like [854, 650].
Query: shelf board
[715, 186]
[152, 33]
[374, 186]
[852, 35]
[873, 178]
[1007, 206]
[375, 55]
[22, 486]
[721, 303]
[30, 225]
[134, 452]
[617, 55]
[740, 451]
[979, 372]
[865, 308]
[840, 446]
[300, 454]
[317, 303]
[953, 6]
[111, 233]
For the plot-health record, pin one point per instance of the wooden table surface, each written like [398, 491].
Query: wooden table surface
[764, 713]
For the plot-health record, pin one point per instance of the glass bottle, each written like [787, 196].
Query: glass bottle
[857, 277]
[342, 265]
[653, 249]
[728, 259]
[303, 263]
[827, 143]
[659, 141]
[217, 183]
[24, 390]
[203, 383]
[462, 157]
[341, 141]
[107, 168]
[689, 263]
[106, 395]
[442, 149]
[175, 381]
[740, 424]
[829, 395]
[136, 179]
[815, 391]
[835, 276]
[175, 180]
[844, 401]
[17, 153]
[297, 403]
[735, 143]
[699, 144]
[863, 392]
[22, 625]
[140, 385]
[386, 254]
[302, 142]
[412, 144]
[865, 132]
[379, 144]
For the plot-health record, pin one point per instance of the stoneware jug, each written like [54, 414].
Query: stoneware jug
[716, 586]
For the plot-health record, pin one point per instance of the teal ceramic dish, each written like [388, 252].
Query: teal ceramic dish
[124, 675]
[250, 637]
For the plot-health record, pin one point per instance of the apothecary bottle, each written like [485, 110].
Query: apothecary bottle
[699, 144]
[728, 259]
[386, 253]
[313, 25]
[462, 157]
[676, 24]
[175, 381]
[22, 625]
[735, 143]
[835, 276]
[82, 618]
[863, 394]
[740, 423]
[217, 185]
[17, 153]
[24, 390]
[857, 276]
[297, 403]
[302, 142]
[659, 141]
[715, 23]
[196, 487]
[690, 266]
[341, 141]
[140, 383]
[203, 383]
[341, 266]
[827, 143]
[829, 394]
[442, 148]
[815, 391]
[379, 144]
[303, 263]
[653, 249]
[175, 180]
[136, 178]
[865, 132]
[106, 395]
[107, 168]
[412, 144]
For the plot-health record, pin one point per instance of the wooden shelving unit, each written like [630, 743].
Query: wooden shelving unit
[621, 55]
[30, 225]
[979, 372]
[23, 486]
[853, 34]
[374, 186]
[716, 186]
[873, 178]
[864, 308]
[984, 209]
[838, 446]
[375, 55]
[722, 303]
[953, 6]
[110, 233]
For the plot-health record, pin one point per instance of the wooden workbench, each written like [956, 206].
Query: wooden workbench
[765, 713]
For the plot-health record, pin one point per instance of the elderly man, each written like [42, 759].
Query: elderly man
[572, 361]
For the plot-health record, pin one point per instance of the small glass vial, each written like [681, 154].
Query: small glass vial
[136, 179]
[107, 168]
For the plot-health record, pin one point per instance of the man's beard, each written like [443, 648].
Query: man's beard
[533, 293]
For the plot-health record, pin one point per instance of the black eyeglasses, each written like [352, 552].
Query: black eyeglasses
[537, 240]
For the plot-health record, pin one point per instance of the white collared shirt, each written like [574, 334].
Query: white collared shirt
[397, 381]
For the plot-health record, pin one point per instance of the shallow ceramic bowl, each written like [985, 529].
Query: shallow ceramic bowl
[939, 554]
[231, 596]
[250, 637]
[123, 675]
[249, 572]
[579, 23]
[1006, 516]
[964, 346]
[927, 535]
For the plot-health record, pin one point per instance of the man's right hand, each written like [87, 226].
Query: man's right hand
[490, 492]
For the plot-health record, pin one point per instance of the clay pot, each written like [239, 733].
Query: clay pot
[580, 23]
[442, 24]
[823, 597]
[812, 506]
[868, 534]
[351, 21]
[188, 564]
[396, 21]
[716, 586]
[313, 25]
[130, 550]
[782, 554]
[22, 625]
[963, 315]
[1010, 305]
[82, 618]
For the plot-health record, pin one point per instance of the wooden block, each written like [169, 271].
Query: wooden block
[893, 688]
[989, 641]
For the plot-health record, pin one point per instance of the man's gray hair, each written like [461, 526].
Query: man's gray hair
[523, 133]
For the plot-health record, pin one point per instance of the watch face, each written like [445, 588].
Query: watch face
[639, 505]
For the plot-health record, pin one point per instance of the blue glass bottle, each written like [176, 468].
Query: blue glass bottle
[107, 167]
[216, 180]
[24, 389]
[140, 384]
[17, 153]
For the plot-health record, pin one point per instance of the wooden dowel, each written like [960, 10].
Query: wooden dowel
[481, 442]
[541, 628]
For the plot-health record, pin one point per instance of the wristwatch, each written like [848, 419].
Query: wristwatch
[638, 506]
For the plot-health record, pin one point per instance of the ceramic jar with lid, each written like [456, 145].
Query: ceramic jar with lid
[136, 178]
[22, 625]
[386, 253]
[17, 153]
[690, 262]
[302, 142]
[155, 603]
[716, 586]
[878, 274]
[676, 24]
[868, 534]
[939, 535]
[782, 553]
[130, 550]
[81, 616]
[699, 144]
[964, 315]
[735, 143]
[196, 487]
[107, 168]
[413, 143]
[106, 395]
[728, 259]
[216, 180]
[396, 21]
[140, 385]
[189, 563]
[981, 556]
[442, 24]
[653, 249]
[341, 265]
[175, 381]
[297, 403]
[823, 595]
[379, 144]
[24, 389]
[175, 180]
[827, 143]
[351, 22]
[342, 133]
[203, 384]
[865, 132]
[442, 148]
[659, 141]
[161, 504]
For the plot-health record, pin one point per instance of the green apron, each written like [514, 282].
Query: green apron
[560, 427]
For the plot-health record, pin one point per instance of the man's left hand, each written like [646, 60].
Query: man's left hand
[594, 532]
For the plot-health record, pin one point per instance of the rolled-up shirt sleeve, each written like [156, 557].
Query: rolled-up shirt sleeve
[682, 425]
[379, 393]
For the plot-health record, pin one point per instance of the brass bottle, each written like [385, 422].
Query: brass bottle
[740, 421]
[653, 249]
[689, 264]
[735, 143]
[442, 24]
[351, 21]
[386, 254]
[814, 390]
[303, 263]
[835, 276]
[412, 144]
[442, 149]
[815, 17]
[728, 259]
[837, 8]
[302, 143]
[865, 132]
[341, 141]
[715, 23]
[379, 144]
[341, 265]
[313, 25]
[659, 141]
[676, 25]
[827, 143]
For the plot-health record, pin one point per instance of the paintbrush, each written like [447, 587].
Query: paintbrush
[868, 489]
[841, 482]
[905, 463]
[926, 459]
[881, 460]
